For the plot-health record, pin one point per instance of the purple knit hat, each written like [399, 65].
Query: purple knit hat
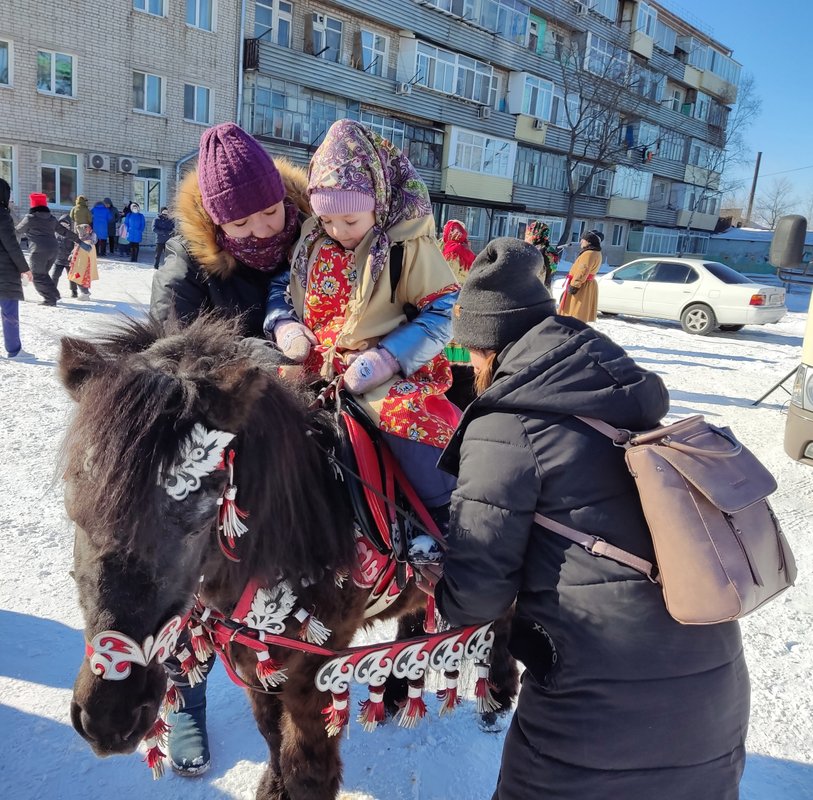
[340, 201]
[237, 177]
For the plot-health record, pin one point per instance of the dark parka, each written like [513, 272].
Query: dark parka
[12, 260]
[198, 276]
[41, 228]
[619, 700]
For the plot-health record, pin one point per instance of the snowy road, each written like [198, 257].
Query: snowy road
[40, 624]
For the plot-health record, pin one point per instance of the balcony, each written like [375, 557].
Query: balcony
[641, 44]
[251, 55]
[624, 208]
[715, 85]
[692, 76]
[703, 222]
[530, 130]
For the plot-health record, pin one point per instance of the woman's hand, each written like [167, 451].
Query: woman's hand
[29, 276]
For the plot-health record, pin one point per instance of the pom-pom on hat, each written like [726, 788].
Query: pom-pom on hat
[237, 178]
[38, 199]
[502, 299]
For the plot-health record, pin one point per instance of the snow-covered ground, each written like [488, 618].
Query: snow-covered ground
[41, 642]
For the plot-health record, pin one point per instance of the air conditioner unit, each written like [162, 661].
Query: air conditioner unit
[98, 161]
[539, 124]
[484, 112]
[127, 165]
[403, 88]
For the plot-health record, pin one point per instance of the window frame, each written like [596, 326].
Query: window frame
[543, 90]
[74, 70]
[382, 56]
[617, 239]
[323, 29]
[58, 201]
[196, 24]
[9, 175]
[146, 10]
[162, 94]
[144, 181]
[10, 56]
[196, 87]
[650, 19]
[473, 151]
[450, 69]
[277, 16]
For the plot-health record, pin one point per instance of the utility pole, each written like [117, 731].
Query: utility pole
[753, 190]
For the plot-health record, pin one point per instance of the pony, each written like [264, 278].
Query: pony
[143, 553]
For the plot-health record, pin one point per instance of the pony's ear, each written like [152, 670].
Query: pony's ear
[231, 394]
[78, 361]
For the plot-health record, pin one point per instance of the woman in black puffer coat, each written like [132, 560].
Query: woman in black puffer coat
[618, 699]
[12, 266]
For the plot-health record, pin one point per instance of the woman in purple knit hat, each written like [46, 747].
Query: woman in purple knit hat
[238, 214]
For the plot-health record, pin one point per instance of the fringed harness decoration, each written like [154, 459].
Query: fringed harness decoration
[261, 616]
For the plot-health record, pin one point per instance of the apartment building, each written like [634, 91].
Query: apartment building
[482, 95]
[109, 99]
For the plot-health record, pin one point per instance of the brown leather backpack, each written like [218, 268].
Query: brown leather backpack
[719, 549]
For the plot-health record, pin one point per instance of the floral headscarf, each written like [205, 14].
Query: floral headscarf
[354, 158]
[456, 244]
[538, 234]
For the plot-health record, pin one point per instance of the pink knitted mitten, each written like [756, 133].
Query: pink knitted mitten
[370, 369]
[294, 339]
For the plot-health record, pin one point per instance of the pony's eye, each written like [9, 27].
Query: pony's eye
[197, 454]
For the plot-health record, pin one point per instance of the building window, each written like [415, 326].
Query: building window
[55, 73]
[424, 146]
[59, 174]
[452, 73]
[557, 44]
[147, 189]
[632, 184]
[672, 146]
[647, 19]
[577, 228]
[540, 169]
[507, 18]
[648, 83]
[648, 135]
[7, 164]
[386, 127]
[148, 93]
[201, 14]
[326, 39]
[536, 35]
[374, 48]
[564, 111]
[702, 104]
[274, 16]
[665, 37]
[474, 152]
[196, 105]
[618, 235]
[605, 59]
[725, 67]
[154, 7]
[5, 63]
[537, 97]
[607, 8]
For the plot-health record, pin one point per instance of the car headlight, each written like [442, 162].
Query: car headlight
[802, 395]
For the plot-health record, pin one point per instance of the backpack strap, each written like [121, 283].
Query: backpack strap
[396, 268]
[619, 436]
[596, 546]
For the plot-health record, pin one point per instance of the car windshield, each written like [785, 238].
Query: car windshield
[724, 273]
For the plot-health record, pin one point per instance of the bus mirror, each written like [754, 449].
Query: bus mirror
[788, 242]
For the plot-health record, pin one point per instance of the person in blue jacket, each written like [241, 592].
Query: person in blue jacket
[135, 223]
[101, 219]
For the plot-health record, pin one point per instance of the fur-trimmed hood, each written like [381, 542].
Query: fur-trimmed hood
[199, 231]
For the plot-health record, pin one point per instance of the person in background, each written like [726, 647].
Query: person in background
[456, 250]
[112, 227]
[163, 226]
[580, 294]
[135, 224]
[124, 245]
[238, 216]
[82, 270]
[101, 221]
[13, 267]
[80, 213]
[65, 248]
[41, 229]
[618, 699]
[538, 234]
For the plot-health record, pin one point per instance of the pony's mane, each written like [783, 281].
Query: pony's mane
[154, 383]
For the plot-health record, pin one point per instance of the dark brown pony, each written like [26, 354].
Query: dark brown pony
[139, 554]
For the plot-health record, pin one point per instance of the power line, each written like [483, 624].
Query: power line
[797, 169]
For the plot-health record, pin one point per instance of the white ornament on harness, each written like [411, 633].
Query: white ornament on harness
[200, 455]
[111, 653]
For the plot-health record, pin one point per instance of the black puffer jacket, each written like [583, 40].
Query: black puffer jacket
[619, 699]
[12, 260]
[41, 228]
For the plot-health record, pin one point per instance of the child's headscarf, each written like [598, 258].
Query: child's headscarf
[538, 234]
[456, 244]
[353, 158]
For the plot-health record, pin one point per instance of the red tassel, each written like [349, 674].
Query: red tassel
[269, 672]
[372, 710]
[311, 630]
[483, 691]
[173, 699]
[231, 517]
[414, 709]
[337, 713]
[190, 667]
[449, 695]
[155, 759]
[200, 644]
[158, 731]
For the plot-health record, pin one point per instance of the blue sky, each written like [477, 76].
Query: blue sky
[772, 40]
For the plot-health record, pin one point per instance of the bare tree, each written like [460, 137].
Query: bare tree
[715, 162]
[776, 201]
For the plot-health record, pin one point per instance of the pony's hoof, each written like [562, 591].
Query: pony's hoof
[493, 721]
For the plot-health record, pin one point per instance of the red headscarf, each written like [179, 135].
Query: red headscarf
[456, 244]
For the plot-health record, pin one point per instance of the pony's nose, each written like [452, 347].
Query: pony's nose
[109, 735]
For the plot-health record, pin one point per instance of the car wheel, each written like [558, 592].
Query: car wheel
[698, 319]
[608, 313]
[731, 328]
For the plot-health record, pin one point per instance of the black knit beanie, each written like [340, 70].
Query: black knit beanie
[502, 298]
